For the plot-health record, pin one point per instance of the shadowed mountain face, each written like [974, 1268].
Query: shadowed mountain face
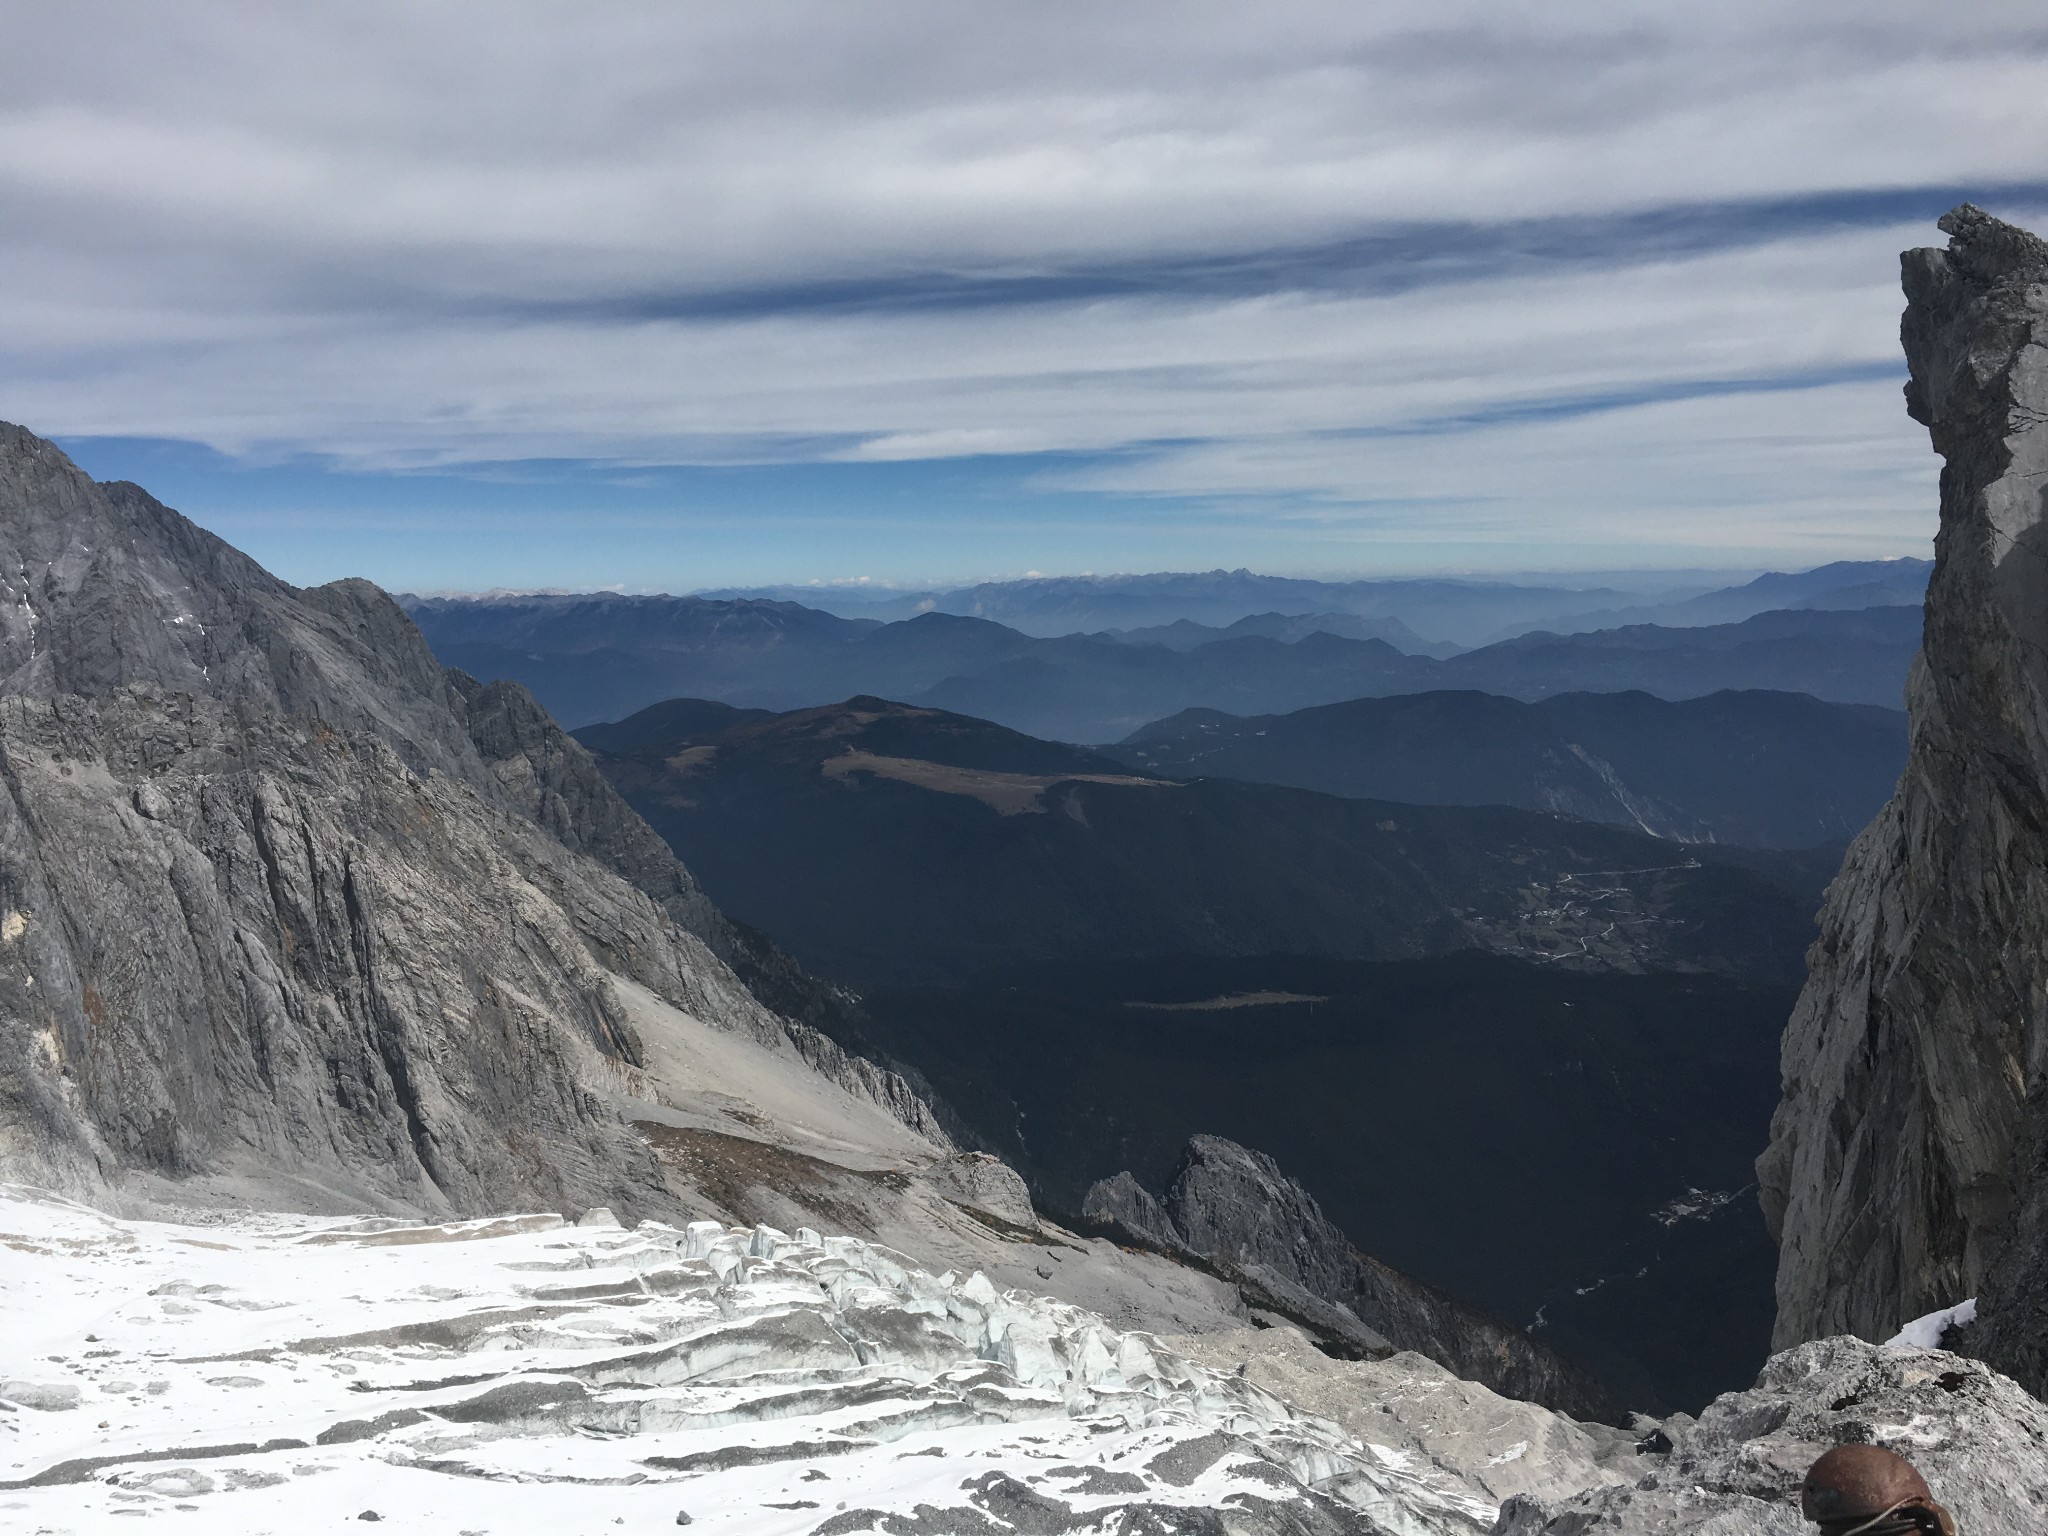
[880, 842]
[1773, 770]
[602, 657]
[1093, 965]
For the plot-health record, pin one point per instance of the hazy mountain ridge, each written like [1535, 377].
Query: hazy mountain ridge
[1461, 611]
[1765, 769]
[1186, 634]
[1842, 584]
[603, 657]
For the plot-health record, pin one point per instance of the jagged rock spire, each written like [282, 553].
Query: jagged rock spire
[1905, 1168]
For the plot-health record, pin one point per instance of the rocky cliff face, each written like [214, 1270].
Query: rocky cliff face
[285, 908]
[1905, 1168]
[1235, 1209]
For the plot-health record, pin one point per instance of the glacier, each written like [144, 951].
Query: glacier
[259, 1372]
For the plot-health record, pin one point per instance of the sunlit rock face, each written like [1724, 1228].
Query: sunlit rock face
[289, 913]
[1904, 1172]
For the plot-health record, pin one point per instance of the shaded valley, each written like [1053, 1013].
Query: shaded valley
[1569, 1150]
[885, 843]
[1524, 1057]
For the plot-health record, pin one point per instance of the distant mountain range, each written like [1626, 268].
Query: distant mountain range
[1186, 634]
[602, 656]
[1458, 611]
[1780, 770]
[1077, 690]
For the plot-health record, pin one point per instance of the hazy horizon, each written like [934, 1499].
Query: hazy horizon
[1638, 579]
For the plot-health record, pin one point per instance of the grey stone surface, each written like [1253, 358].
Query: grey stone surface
[1413, 1407]
[1237, 1211]
[1905, 1171]
[1979, 1440]
[1123, 1203]
[287, 909]
[44, 1396]
[317, 970]
[989, 1185]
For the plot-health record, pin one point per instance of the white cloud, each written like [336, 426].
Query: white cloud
[430, 235]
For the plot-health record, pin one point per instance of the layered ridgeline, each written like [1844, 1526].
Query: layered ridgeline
[289, 911]
[1905, 1169]
[601, 656]
[1452, 613]
[1772, 770]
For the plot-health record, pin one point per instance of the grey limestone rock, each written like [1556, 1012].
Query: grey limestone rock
[1237, 1211]
[1979, 1440]
[313, 966]
[1409, 1404]
[44, 1396]
[286, 907]
[991, 1186]
[1905, 1171]
[1123, 1203]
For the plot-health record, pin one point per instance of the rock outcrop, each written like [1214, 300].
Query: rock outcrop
[1980, 1441]
[286, 908]
[1410, 1408]
[1905, 1170]
[1234, 1210]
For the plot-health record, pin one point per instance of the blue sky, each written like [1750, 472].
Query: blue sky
[661, 297]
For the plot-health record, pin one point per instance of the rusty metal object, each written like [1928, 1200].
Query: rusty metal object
[1865, 1490]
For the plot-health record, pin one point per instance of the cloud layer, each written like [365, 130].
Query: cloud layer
[1607, 275]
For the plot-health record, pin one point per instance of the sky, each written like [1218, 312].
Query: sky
[681, 295]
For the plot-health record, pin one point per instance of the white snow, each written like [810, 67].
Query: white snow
[276, 1373]
[1926, 1332]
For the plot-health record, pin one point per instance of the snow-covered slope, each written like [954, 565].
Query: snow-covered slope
[273, 1372]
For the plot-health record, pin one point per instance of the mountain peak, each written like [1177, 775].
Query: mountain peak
[1991, 250]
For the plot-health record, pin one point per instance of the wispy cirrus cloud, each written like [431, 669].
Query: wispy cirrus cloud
[1331, 257]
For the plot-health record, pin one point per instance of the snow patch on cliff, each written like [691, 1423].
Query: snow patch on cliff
[1927, 1332]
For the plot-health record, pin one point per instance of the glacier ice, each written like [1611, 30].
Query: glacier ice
[263, 1371]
